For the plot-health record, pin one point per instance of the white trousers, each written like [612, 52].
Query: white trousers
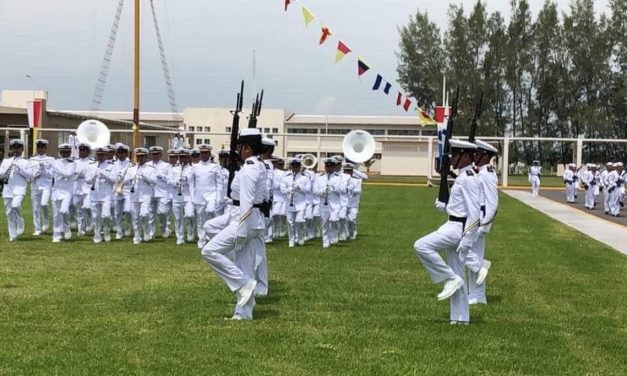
[329, 219]
[535, 185]
[615, 201]
[101, 216]
[160, 208]
[235, 273]
[202, 216]
[61, 217]
[445, 238]
[140, 215]
[570, 192]
[183, 220]
[13, 211]
[474, 262]
[122, 215]
[296, 226]
[39, 200]
[589, 198]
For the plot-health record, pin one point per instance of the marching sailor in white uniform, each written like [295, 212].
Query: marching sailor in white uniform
[353, 188]
[328, 187]
[41, 186]
[295, 186]
[206, 183]
[160, 205]
[535, 171]
[102, 178]
[589, 183]
[122, 192]
[180, 179]
[15, 172]
[569, 180]
[246, 232]
[489, 199]
[82, 190]
[456, 236]
[64, 173]
[142, 178]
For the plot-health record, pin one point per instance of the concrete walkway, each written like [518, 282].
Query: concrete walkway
[612, 234]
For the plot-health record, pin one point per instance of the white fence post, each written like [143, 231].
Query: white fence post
[505, 170]
[579, 150]
[430, 156]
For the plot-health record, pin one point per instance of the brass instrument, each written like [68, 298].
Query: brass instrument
[119, 186]
[309, 161]
[135, 180]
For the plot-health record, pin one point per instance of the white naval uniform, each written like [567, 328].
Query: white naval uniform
[102, 178]
[342, 233]
[606, 193]
[65, 173]
[142, 179]
[622, 177]
[295, 187]
[269, 187]
[206, 182]
[13, 192]
[243, 235]
[569, 180]
[279, 206]
[160, 206]
[613, 188]
[489, 199]
[81, 199]
[353, 188]
[534, 178]
[180, 179]
[328, 188]
[589, 182]
[40, 190]
[456, 236]
[122, 201]
[309, 199]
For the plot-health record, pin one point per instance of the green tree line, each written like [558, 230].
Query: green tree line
[562, 74]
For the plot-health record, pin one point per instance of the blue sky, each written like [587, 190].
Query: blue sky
[209, 45]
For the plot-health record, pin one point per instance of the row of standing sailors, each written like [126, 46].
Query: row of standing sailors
[610, 182]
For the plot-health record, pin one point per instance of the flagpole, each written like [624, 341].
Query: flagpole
[136, 51]
[326, 134]
[443, 89]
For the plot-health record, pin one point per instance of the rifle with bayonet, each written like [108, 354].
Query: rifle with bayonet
[475, 120]
[445, 167]
[233, 164]
[252, 120]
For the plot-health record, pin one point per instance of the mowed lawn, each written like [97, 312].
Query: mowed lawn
[557, 299]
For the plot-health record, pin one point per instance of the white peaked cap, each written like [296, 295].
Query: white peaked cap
[459, 144]
[485, 146]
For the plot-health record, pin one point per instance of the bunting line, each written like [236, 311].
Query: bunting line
[342, 50]
[308, 16]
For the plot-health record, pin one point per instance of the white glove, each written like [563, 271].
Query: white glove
[440, 205]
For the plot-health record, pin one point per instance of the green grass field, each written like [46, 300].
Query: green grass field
[557, 304]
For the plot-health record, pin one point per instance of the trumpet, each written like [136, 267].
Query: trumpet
[119, 186]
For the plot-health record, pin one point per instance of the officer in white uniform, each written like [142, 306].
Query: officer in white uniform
[343, 222]
[589, 184]
[328, 187]
[15, 172]
[622, 177]
[267, 158]
[279, 200]
[121, 198]
[569, 180]
[206, 182]
[180, 179]
[489, 199]
[616, 182]
[160, 205]
[246, 232]
[609, 166]
[535, 171]
[41, 186]
[142, 178]
[353, 188]
[82, 190]
[295, 186]
[457, 235]
[102, 178]
[64, 173]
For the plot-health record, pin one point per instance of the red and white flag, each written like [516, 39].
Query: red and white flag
[33, 108]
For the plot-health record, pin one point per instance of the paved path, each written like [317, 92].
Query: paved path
[560, 197]
[612, 234]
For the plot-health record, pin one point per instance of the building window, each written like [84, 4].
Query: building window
[403, 132]
[150, 141]
[335, 131]
[192, 129]
[227, 129]
[302, 130]
[275, 130]
[429, 132]
[207, 129]
[295, 153]
[376, 132]
[198, 141]
[207, 141]
[266, 130]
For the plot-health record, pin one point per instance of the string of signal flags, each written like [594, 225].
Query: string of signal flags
[342, 50]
